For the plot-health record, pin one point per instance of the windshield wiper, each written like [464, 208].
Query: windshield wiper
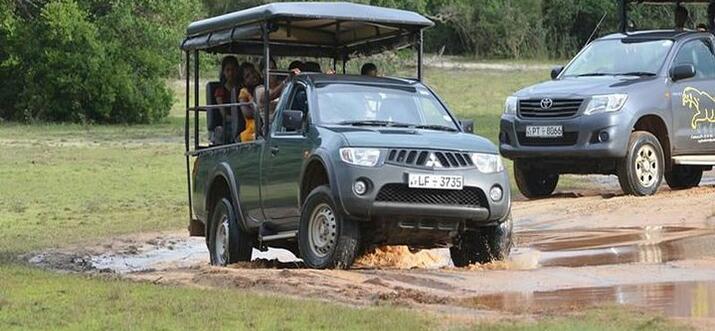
[594, 74]
[375, 123]
[435, 127]
[636, 73]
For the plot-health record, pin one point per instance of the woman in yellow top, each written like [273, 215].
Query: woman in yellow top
[251, 79]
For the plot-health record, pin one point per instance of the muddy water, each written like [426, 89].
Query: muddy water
[677, 299]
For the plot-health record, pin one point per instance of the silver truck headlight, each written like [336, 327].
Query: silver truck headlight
[510, 105]
[606, 103]
[366, 157]
[488, 163]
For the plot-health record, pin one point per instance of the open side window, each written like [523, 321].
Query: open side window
[298, 101]
[700, 54]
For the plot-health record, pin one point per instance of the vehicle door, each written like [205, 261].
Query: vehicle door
[283, 162]
[693, 100]
[244, 159]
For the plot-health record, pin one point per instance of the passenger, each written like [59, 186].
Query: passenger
[702, 27]
[369, 69]
[275, 90]
[296, 65]
[312, 67]
[228, 92]
[251, 79]
[681, 17]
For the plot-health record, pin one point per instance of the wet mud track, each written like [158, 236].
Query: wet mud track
[577, 250]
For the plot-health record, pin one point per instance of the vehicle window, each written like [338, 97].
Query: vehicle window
[699, 53]
[408, 106]
[620, 56]
[298, 101]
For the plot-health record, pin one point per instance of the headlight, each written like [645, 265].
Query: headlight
[606, 103]
[510, 105]
[488, 163]
[366, 157]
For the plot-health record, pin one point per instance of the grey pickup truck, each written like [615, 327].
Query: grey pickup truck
[352, 161]
[639, 105]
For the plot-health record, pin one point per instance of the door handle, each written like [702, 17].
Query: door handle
[275, 150]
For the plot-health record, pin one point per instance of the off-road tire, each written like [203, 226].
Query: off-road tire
[485, 245]
[684, 177]
[534, 183]
[240, 245]
[341, 237]
[640, 173]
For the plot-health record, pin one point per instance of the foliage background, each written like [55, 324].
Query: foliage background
[107, 61]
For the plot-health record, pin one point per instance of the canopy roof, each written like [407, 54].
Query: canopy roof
[321, 29]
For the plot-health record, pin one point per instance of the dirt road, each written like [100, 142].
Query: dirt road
[580, 248]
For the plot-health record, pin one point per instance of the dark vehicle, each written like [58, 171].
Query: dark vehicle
[639, 105]
[348, 161]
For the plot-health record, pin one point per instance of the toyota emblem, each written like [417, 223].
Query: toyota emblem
[546, 103]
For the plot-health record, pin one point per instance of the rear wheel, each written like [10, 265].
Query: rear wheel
[227, 242]
[683, 177]
[326, 239]
[484, 245]
[641, 171]
[534, 183]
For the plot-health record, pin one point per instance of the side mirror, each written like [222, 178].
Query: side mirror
[292, 120]
[682, 71]
[467, 125]
[556, 71]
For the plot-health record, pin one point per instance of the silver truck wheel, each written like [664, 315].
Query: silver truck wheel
[641, 171]
[227, 242]
[326, 239]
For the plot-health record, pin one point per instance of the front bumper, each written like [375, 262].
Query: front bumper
[367, 207]
[581, 137]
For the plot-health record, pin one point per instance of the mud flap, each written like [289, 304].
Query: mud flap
[197, 228]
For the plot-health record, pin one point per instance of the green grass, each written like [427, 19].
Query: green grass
[70, 184]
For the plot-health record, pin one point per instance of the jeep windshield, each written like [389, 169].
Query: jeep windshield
[614, 57]
[382, 105]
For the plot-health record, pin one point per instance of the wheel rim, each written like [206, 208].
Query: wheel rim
[221, 242]
[646, 166]
[322, 230]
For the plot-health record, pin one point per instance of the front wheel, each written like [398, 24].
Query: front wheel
[227, 242]
[534, 183]
[684, 177]
[484, 245]
[326, 239]
[641, 171]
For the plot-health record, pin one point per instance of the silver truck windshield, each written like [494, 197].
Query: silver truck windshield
[373, 105]
[620, 57]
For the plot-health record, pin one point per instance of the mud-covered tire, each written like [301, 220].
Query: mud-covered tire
[534, 183]
[227, 242]
[326, 239]
[640, 173]
[684, 177]
[485, 245]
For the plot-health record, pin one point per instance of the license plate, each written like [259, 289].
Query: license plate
[439, 182]
[545, 131]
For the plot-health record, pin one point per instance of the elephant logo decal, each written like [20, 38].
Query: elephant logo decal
[701, 103]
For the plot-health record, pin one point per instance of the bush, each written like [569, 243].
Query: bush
[94, 61]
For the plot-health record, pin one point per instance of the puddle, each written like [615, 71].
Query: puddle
[675, 299]
[590, 247]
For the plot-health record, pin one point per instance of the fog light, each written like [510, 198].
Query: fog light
[603, 136]
[360, 187]
[496, 193]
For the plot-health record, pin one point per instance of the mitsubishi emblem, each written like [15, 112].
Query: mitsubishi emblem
[433, 161]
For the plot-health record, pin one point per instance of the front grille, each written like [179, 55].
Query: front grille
[569, 138]
[531, 108]
[467, 197]
[422, 158]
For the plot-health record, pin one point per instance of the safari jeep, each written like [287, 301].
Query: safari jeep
[347, 161]
[638, 105]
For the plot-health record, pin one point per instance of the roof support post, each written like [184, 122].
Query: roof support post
[420, 51]
[623, 14]
[186, 133]
[266, 81]
[196, 99]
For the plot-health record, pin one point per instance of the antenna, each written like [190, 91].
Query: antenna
[596, 29]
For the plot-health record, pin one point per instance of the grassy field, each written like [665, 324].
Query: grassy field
[69, 184]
